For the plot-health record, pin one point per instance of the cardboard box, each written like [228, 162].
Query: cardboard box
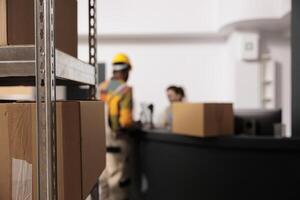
[17, 26]
[80, 148]
[3, 30]
[202, 119]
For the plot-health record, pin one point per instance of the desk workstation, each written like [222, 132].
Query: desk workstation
[233, 167]
[213, 151]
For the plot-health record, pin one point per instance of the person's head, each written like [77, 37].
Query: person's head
[121, 67]
[171, 93]
[180, 93]
[175, 94]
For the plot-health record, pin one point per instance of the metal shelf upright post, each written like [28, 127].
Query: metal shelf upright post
[45, 77]
[45, 100]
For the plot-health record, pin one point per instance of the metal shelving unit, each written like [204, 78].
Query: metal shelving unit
[45, 67]
[18, 63]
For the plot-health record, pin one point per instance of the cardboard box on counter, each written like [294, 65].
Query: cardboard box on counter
[17, 24]
[80, 148]
[203, 119]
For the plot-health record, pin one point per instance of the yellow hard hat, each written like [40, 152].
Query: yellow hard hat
[119, 59]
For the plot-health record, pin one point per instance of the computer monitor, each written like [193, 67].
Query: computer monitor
[260, 122]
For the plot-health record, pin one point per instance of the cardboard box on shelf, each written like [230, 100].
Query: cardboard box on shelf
[80, 148]
[3, 30]
[17, 24]
[17, 92]
[203, 119]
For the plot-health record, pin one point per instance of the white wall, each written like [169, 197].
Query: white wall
[247, 92]
[208, 70]
[280, 50]
[196, 57]
[231, 11]
[149, 17]
[285, 6]
[176, 16]
[156, 16]
[197, 66]
[246, 77]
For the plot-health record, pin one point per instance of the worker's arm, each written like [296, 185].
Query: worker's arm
[103, 91]
[126, 107]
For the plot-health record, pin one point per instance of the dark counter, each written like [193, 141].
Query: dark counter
[236, 141]
[171, 166]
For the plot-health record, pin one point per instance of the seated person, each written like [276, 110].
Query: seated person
[174, 94]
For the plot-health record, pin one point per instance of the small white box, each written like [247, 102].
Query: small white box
[250, 46]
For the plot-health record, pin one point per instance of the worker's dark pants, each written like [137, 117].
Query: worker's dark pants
[95, 192]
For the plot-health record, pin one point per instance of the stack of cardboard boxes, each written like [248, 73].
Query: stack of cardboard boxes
[80, 124]
[80, 149]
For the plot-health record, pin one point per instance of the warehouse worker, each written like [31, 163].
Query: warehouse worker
[174, 94]
[115, 180]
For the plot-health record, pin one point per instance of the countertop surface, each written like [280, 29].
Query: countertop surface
[234, 141]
